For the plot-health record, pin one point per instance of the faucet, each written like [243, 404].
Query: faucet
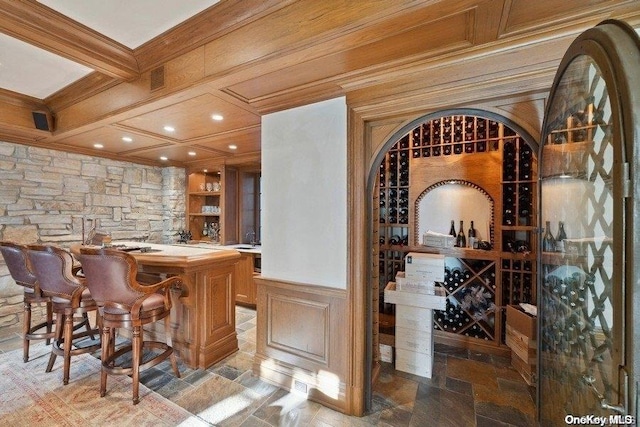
[251, 236]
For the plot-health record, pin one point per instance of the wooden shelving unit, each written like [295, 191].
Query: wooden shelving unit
[208, 206]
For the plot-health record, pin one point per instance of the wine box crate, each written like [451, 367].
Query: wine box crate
[520, 336]
[438, 241]
[386, 353]
[419, 267]
[424, 301]
[522, 322]
[415, 363]
[526, 370]
[414, 340]
[419, 287]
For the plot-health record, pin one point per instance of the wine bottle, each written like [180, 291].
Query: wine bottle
[461, 240]
[472, 236]
[452, 230]
[560, 237]
[548, 242]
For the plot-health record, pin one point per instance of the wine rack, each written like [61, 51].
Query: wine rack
[518, 280]
[453, 135]
[471, 280]
[393, 201]
[470, 285]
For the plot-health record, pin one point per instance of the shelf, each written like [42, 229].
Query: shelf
[204, 214]
[205, 193]
[519, 228]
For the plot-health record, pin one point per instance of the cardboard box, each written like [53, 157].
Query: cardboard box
[424, 267]
[414, 363]
[393, 296]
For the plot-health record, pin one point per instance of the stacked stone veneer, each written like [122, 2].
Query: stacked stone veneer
[45, 194]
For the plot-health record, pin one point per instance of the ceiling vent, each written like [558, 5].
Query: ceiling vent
[157, 78]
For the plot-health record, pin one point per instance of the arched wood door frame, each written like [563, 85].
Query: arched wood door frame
[360, 293]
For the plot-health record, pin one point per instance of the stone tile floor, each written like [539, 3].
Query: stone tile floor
[467, 389]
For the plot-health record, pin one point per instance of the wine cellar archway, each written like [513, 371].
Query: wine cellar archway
[481, 148]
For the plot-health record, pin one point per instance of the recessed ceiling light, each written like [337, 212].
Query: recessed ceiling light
[217, 117]
[127, 139]
[169, 128]
[205, 170]
[163, 158]
[232, 146]
[191, 153]
[98, 145]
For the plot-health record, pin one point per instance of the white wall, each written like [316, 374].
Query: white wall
[304, 194]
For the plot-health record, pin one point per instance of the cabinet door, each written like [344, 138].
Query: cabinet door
[588, 336]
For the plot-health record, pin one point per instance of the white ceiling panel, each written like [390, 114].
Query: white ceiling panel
[32, 71]
[129, 22]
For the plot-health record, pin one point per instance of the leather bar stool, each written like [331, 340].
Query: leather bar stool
[71, 302]
[126, 303]
[15, 256]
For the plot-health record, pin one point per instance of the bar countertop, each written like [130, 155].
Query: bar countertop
[177, 254]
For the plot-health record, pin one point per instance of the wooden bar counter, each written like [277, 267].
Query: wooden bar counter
[203, 314]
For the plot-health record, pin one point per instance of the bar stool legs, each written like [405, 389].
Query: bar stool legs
[29, 332]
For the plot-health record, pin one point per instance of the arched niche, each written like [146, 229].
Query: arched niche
[455, 200]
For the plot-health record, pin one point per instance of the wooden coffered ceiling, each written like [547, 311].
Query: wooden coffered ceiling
[244, 58]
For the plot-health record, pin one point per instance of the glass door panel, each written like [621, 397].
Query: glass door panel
[576, 309]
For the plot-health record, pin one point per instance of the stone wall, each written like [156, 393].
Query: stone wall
[46, 194]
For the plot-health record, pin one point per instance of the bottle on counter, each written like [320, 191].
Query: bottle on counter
[548, 241]
[472, 236]
[560, 237]
[452, 230]
[461, 240]
[205, 230]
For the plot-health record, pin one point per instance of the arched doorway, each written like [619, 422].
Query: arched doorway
[406, 165]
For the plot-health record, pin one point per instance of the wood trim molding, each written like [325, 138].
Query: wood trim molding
[357, 273]
[301, 341]
[212, 23]
[41, 26]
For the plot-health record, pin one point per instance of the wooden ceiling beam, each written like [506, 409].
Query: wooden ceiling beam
[47, 29]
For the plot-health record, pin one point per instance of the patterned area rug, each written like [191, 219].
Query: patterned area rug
[31, 397]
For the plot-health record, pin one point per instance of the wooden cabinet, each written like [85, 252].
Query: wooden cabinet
[245, 286]
[212, 200]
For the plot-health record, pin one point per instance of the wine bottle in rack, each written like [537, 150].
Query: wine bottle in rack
[461, 240]
[426, 134]
[415, 137]
[481, 128]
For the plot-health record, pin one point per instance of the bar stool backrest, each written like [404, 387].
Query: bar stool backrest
[111, 275]
[15, 256]
[53, 267]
